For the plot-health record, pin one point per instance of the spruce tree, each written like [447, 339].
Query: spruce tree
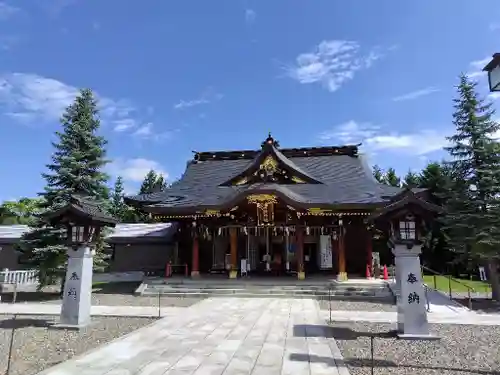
[391, 178]
[160, 183]
[411, 180]
[76, 167]
[118, 208]
[149, 183]
[378, 173]
[473, 206]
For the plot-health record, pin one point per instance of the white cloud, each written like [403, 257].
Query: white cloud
[250, 16]
[350, 132]
[124, 125]
[493, 95]
[332, 63]
[190, 103]
[416, 94]
[476, 68]
[134, 170]
[374, 138]
[33, 98]
[145, 130]
[7, 10]
[209, 95]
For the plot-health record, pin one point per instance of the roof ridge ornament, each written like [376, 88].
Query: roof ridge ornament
[270, 141]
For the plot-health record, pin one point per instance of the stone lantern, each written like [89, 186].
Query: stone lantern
[405, 219]
[83, 218]
[493, 70]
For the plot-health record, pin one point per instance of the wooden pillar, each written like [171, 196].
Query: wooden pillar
[233, 242]
[342, 275]
[301, 275]
[369, 250]
[195, 263]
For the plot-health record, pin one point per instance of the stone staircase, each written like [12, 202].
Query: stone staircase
[351, 290]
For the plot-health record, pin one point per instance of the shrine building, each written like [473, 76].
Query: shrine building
[274, 211]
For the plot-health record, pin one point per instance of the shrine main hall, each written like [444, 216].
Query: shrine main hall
[274, 211]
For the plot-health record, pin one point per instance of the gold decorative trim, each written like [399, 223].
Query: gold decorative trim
[269, 164]
[212, 212]
[241, 181]
[298, 180]
[262, 198]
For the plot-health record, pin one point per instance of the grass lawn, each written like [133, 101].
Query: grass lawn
[442, 283]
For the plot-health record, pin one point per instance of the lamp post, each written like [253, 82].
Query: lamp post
[83, 219]
[493, 70]
[404, 217]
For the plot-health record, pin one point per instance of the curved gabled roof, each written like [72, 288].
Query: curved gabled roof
[336, 176]
[268, 149]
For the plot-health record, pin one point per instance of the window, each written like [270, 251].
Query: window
[407, 230]
[77, 233]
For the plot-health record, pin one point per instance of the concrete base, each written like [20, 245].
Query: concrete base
[195, 273]
[301, 275]
[69, 327]
[410, 336]
[233, 274]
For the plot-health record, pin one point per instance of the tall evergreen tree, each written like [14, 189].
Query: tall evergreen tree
[473, 206]
[411, 180]
[150, 182]
[76, 167]
[160, 183]
[118, 208]
[378, 173]
[24, 211]
[391, 178]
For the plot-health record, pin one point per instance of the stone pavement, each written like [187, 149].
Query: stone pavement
[221, 336]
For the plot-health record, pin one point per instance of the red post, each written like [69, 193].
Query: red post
[386, 274]
[368, 275]
[168, 271]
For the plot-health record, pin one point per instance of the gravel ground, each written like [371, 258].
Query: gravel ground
[112, 294]
[36, 347]
[357, 306]
[481, 305]
[462, 350]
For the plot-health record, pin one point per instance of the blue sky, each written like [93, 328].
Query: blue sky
[177, 76]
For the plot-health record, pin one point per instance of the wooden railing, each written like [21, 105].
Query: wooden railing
[19, 277]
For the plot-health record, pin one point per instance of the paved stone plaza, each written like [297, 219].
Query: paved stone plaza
[242, 336]
[220, 336]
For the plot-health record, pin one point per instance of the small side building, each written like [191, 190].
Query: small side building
[134, 247]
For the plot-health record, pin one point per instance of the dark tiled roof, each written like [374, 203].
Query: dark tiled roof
[83, 207]
[346, 180]
[409, 197]
[270, 150]
[121, 233]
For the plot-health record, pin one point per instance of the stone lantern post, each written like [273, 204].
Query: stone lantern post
[83, 219]
[405, 218]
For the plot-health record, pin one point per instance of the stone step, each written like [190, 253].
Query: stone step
[263, 291]
[265, 287]
[275, 295]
